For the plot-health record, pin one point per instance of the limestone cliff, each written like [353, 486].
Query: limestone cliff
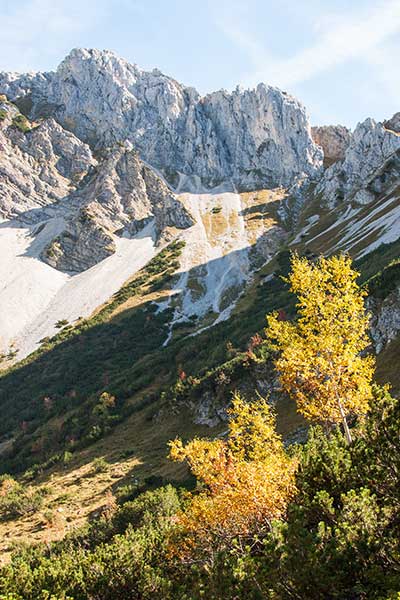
[334, 140]
[47, 175]
[372, 146]
[257, 138]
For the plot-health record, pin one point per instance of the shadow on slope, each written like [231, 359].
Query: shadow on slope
[48, 401]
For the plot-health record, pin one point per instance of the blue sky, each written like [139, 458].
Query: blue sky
[340, 58]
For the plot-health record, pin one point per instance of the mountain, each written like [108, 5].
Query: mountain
[253, 137]
[144, 234]
[84, 216]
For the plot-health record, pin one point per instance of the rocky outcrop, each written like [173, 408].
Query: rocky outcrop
[48, 173]
[167, 209]
[40, 164]
[385, 321]
[394, 123]
[81, 245]
[334, 140]
[372, 148]
[256, 138]
[119, 197]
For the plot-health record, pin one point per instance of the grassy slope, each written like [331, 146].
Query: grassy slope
[136, 449]
[118, 350]
[366, 224]
[113, 344]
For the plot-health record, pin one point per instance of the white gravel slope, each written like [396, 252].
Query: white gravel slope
[34, 296]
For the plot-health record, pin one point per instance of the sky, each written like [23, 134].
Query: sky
[340, 58]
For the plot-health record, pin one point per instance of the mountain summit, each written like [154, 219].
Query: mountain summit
[256, 138]
[103, 164]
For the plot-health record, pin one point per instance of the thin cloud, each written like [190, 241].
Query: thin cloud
[339, 40]
[38, 33]
[37, 30]
[384, 63]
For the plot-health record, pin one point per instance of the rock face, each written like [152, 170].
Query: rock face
[334, 140]
[119, 197]
[82, 244]
[394, 123]
[256, 138]
[46, 173]
[39, 166]
[369, 154]
[385, 323]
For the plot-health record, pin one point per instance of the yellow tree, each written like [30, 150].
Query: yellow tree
[245, 480]
[321, 362]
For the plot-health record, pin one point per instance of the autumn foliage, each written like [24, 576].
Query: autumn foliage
[245, 480]
[260, 523]
[321, 362]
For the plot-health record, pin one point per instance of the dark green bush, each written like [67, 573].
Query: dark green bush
[112, 558]
[340, 539]
[17, 500]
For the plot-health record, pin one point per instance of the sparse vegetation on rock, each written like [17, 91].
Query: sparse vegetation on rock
[21, 123]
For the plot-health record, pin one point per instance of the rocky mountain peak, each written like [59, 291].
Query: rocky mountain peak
[103, 160]
[371, 145]
[259, 137]
[334, 140]
[394, 123]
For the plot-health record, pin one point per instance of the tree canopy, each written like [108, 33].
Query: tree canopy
[321, 355]
[246, 480]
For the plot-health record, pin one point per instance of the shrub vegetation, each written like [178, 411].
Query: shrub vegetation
[265, 521]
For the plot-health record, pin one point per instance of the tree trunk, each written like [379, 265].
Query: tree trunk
[345, 425]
